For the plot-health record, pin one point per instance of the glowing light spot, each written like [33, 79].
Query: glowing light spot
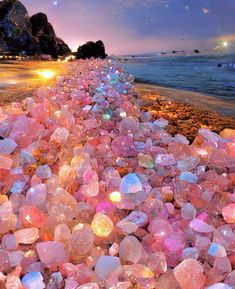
[55, 3]
[225, 44]
[46, 74]
[115, 197]
[205, 10]
[102, 225]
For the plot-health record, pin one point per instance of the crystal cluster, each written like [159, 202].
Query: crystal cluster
[96, 194]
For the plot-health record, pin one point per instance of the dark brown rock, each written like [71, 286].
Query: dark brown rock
[91, 49]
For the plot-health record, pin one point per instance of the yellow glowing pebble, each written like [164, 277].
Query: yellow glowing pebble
[102, 225]
[228, 133]
[115, 197]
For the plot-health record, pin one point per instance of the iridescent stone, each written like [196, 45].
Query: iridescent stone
[130, 184]
[145, 161]
[188, 211]
[124, 146]
[106, 265]
[164, 160]
[7, 146]
[33, 280]
[216, 250]
[130, 249]
[135, 220]
[188, 177]
[219, 286]
[160, 228]
[60, 135]
[43, 172]
[200, 226]
[190, 252]
[52, 252]
[190, 274]
[102, 225]
[228, 213]
[27, 236]
[26, 158]
[36, 195]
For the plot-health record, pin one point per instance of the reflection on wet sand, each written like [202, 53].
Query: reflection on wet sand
[19, 79]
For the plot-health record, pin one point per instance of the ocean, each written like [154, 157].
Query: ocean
[199, 73]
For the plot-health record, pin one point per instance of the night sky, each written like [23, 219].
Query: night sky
[138, 26]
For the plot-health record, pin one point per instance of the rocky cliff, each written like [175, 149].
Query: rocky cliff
[91, 49]
[20, 33]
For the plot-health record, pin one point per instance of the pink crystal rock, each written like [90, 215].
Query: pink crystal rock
[130, 249]
[106, 265]
[164, 159]
[123, 146]
[60, 135]
[81, 240]
[7, 146]
[31, 216]
[5, 162]
[135, 220]
[190, 274]
[27, 236]
[228, 213]
[89, 286]
[200, 226]
[52, 252]
[130, 184]
[36, 195]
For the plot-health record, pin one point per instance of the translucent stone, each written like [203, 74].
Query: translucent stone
[33, 280]
[188, 163]
[164, 160]
[228, 133]
[157, 263]
[67, 174]
[216, 250]
[145, 161]
[200, 226]
[71, 283]
[7, 218]
[190, 274]
[129, 125]
[135, 220]
[188, 177]
[102, 225]
[7, 146]
[161, 122]
[26, 158]
[31, 216]
[81, 240]
[5, 162]
[13, 282]
[130, 249]
[43, 172]
[115, 197]
[89, 286]
[52, 252]
[168, 281]
[190, 252]
[124, 146]
[16, 258]
[60, 135]
[228, 213]
[36, 195]
[90, 187]
[4, 260]
[130, 184]
[188, 211]
[219, 286]
[106, 265]
[160, 228]
[27, 236]
[62, 234]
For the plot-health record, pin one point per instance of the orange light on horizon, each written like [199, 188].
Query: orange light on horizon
[46, 74]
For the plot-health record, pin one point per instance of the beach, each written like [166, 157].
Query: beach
[95, 192]
[186, 111]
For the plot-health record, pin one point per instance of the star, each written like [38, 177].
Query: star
[55, 3]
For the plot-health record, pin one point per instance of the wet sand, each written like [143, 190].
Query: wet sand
[186, 111]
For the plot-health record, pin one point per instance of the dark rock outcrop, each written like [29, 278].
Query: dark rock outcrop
[45, 35]
[91, 49]
[20, 33]
[15, 29]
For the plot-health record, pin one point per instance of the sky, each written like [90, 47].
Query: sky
[142, 26]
